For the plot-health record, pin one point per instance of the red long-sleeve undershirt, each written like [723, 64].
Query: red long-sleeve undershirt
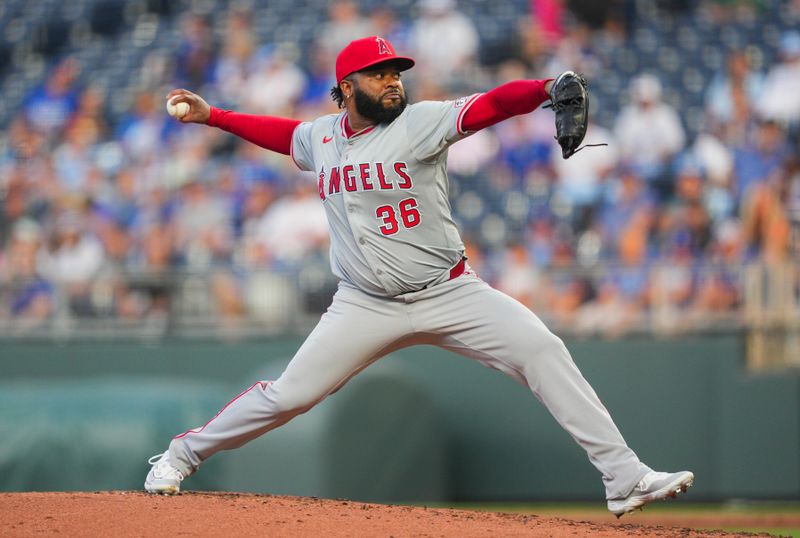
[275, 134]
[269, 132]
[510, 99]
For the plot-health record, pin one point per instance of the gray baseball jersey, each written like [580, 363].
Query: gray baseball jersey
[385, 192]
[393, 245]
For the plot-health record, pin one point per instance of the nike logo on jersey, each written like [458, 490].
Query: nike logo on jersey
[326, 139]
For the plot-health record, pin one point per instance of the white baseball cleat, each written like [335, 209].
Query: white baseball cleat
[163, 478]
[654, 486]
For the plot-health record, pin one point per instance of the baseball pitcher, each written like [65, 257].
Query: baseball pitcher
[380, 167]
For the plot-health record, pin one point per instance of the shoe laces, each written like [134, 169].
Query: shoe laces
[648, 479]
[163, 468]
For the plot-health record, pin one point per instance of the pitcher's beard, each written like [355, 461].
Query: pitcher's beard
[374, 109]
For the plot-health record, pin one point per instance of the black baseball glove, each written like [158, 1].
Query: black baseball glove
[569, 99]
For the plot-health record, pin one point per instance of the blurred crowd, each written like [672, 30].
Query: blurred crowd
[102, 216]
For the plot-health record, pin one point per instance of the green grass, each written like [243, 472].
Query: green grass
[737, 509]
[794, 533]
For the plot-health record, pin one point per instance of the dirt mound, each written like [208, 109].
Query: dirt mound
[126, 514]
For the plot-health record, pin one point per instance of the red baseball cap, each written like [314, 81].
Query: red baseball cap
[366, 52]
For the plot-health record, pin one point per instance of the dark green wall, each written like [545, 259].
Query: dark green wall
[421, 424]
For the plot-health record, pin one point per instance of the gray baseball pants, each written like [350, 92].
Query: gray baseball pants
[464, 315]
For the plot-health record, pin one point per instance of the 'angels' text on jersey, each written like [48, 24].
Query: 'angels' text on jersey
[364, 177]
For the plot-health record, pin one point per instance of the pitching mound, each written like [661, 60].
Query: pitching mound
[127, 514]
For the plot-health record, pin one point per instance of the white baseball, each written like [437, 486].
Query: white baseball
[177, 110]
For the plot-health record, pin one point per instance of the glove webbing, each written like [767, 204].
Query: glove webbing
[584, 146]
[561, 104]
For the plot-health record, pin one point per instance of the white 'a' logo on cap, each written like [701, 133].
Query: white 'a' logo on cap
[383, 46]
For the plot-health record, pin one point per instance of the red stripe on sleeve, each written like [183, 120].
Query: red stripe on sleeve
[460, 120]
[510, 99]
[269, 132]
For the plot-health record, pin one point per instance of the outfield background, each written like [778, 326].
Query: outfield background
[421, 425]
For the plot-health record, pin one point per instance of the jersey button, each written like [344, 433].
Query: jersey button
[379, 271]
[362, 241]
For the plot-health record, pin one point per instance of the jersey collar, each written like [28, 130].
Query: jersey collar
[348, 132]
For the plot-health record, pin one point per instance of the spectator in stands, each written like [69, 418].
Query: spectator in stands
[203, 225]
[714, 300]
[440, 22]
[563, 250]
[345, 23]
[275, 84]
[525, 146]
[233, 64]
[650, 134]
[259, 196]
[766, 226]
[50, 106]
[293, 226]
[727, 12]
[474, 154]
[30, 300]
[689, 181]
[731, 97]
[626, 197]
[74, 160]
[720, 282]
[567, 295]
[632, 276]
[22, 144]
[195, 55]
[148, 291]
[684, 225]
[91, 111]
[141, 131]
[319, 81]
[716, 160]
[608, 314]
[548, 17]
[250, 165]
[385, 23]
[630, 202]
[203, 233]
[790, 193]
[520, 278]
[582, 178]
[13, 205]
[155, 253]
[780, 100]
[110, 222]
[123, 205]
[760, 158]
[574, 52]
[74, 260]
[710, 202]
[534, 47]
[156, 205]
[540, 239]
[673, 288]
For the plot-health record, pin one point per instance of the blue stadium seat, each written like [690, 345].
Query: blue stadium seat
[470, 207]
[688, 38]
[693, 81]
[645, 40]
[669, 59]
[712, 58]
